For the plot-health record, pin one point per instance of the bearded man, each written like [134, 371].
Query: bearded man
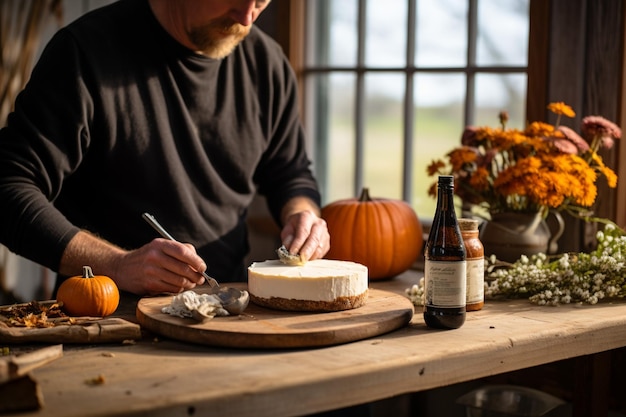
[179, 108]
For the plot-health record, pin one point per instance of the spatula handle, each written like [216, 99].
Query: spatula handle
[157, 226]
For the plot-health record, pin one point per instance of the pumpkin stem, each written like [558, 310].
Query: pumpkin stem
[365, 195]
[87, 272]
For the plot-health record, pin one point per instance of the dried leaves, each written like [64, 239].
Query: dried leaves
[35, 315]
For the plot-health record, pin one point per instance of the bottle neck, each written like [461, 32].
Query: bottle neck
[445, 198]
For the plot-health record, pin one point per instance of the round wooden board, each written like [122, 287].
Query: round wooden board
[264, 328]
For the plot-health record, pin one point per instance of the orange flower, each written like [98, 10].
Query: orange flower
[480, 180]
[462, 156]
[540, 168]
[435, 167]
[561, 108]
[611, 177]
[539, 129]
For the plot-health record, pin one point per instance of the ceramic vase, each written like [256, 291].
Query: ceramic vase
[510, 235]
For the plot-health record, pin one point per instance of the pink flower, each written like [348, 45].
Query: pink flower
[607, 142]
[563, 145]
[574, 137]
[608, 131]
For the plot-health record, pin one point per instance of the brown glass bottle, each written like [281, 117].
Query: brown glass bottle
[475, 257]
[445, 265]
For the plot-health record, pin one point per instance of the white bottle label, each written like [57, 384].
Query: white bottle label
[445, 283]
[475, 280]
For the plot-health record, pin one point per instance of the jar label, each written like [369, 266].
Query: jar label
[475, 280]
[445, 283]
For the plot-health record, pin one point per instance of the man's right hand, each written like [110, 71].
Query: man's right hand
[161, 266]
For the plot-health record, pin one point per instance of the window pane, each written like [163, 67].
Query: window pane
[343, 33]
[439, 100]
[383, 134]
[334, 41]
[441, 34]
[334, 135]
[500, 92]
[503, 32]
[385, 35]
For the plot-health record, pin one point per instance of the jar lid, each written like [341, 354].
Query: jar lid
[468, 224]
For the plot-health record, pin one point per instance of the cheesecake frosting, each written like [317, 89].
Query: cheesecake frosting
[319, 281]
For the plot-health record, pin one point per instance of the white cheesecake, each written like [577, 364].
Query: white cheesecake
[319, 285]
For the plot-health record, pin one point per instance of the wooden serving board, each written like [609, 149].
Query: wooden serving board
[260, 327]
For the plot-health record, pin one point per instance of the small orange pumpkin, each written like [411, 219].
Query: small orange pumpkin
[89, 295]
[383, 234]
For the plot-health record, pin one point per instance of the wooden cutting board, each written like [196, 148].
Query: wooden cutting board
[260, 327]
[107, 330]
[84, 330]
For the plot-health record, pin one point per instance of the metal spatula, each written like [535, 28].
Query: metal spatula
[233, 300]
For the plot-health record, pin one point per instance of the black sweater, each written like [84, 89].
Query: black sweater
[120, 119]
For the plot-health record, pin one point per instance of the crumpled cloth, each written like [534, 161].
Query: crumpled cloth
[182, 305]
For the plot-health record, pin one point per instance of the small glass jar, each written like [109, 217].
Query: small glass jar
[475, 254]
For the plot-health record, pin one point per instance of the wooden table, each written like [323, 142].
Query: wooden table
[160, 377]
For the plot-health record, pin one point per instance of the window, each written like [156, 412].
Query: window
[389, 86]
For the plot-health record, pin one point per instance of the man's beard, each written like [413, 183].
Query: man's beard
[218, 38]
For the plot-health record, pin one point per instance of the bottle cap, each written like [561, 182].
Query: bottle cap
[468, 224]
[446, 180]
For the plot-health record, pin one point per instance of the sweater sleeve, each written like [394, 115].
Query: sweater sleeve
[285, 169]
[43, 143]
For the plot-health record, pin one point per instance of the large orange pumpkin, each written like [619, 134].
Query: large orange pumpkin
[383, 234]
[89, 295]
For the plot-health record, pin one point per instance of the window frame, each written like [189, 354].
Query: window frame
[360, 70]
[561, 67]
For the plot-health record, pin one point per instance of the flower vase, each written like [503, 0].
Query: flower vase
[510, 235]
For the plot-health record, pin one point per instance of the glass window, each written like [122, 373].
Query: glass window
[335, 149]
[438, 113]
[502, 33]
[383, 135]
[441, 33]
[335, 40]
[497, 92]
[385, 33]
[391, 84]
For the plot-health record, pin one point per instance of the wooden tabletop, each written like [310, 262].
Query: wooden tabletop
[160, 377]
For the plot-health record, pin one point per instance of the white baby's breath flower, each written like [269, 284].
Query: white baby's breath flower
[563, 279]
[416, 293]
